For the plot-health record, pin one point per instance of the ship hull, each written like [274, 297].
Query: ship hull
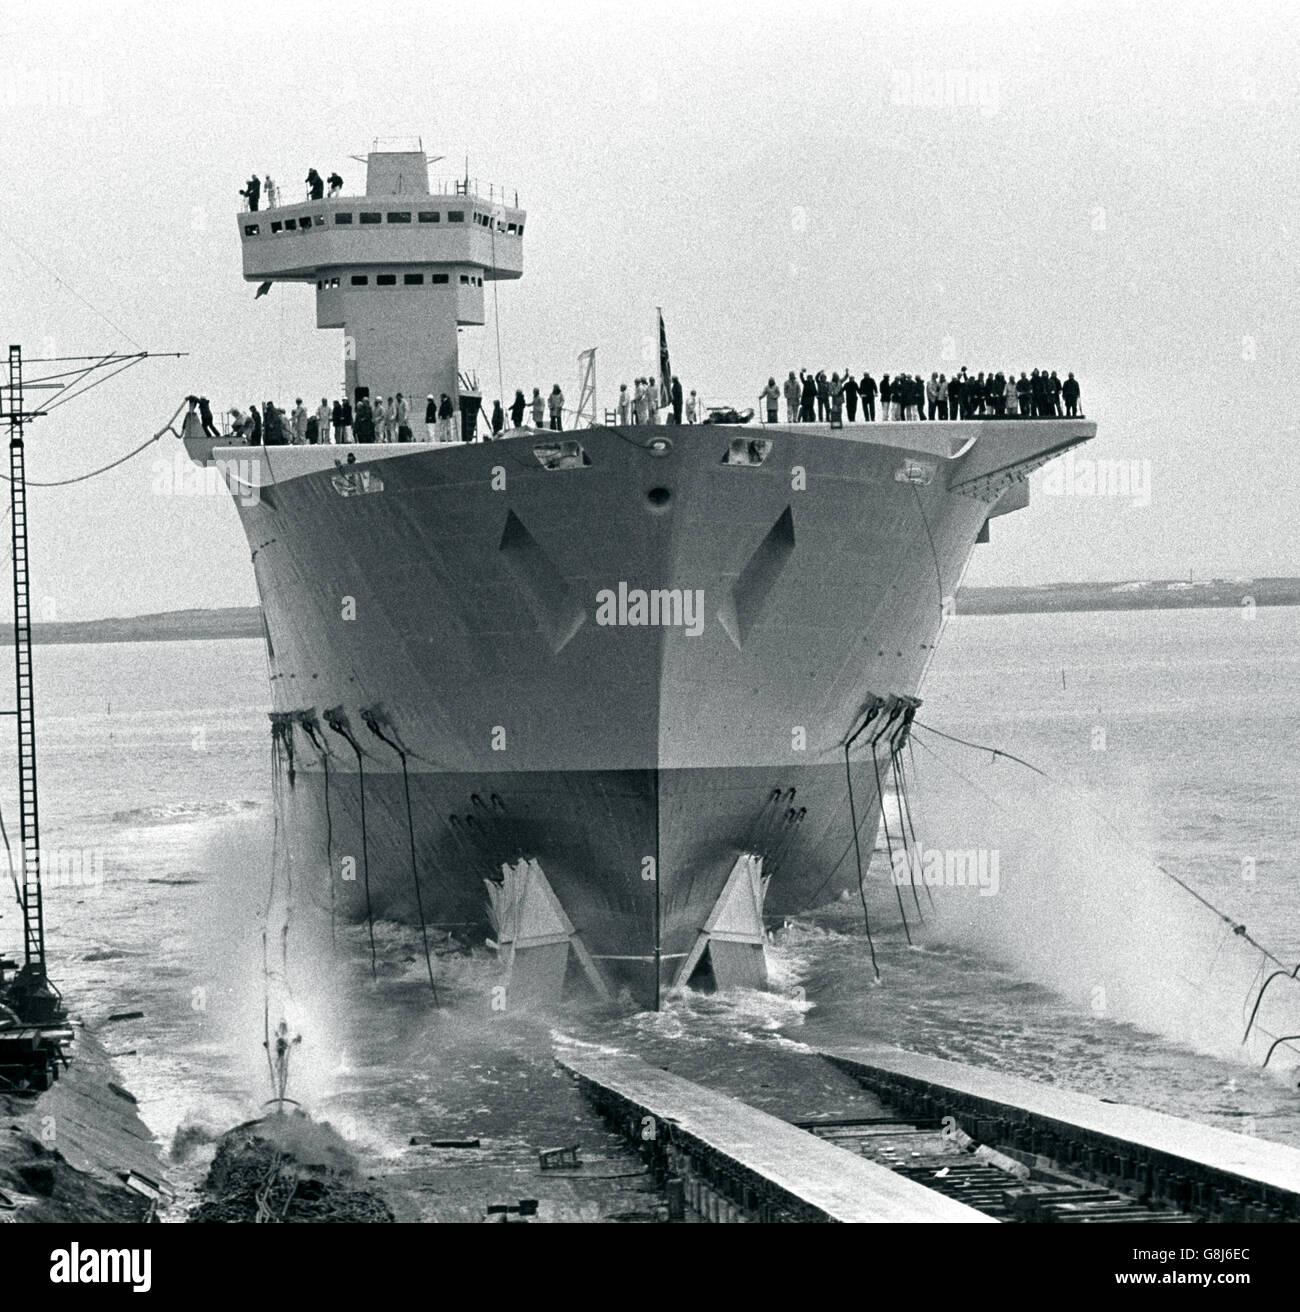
[482, 609]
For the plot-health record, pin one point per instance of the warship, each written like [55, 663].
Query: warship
[614, 699]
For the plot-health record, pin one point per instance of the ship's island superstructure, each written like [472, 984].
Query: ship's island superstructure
[602, 694]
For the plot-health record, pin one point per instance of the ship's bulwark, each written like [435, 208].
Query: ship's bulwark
[485, 607]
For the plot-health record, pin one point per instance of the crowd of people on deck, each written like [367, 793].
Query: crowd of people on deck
[818, 398]
[256, 189]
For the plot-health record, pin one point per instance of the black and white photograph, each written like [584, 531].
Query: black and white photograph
[649, 615]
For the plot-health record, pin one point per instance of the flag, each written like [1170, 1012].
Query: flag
[665, 369]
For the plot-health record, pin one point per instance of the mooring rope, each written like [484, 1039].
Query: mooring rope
[339, 725]
[905, 819]
[857, 852]
[372, 724]
[900, 776]
[889, 846]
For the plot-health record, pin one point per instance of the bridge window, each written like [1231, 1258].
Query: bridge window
[291, 225]
[439, 278]
[370, 216]
[399, 216]
[331, 282]
[385, 280]
[251, 229]
[455, 216]
[341, 219]
[276, 225]
[307, 220]
[413, 279]
[464, 280]
[428, 216]
[359, 280]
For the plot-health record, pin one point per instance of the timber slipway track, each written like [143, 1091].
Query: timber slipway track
[929, 1140]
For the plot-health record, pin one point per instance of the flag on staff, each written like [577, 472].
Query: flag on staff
[665, 369]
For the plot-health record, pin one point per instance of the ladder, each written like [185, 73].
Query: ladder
[29, 824]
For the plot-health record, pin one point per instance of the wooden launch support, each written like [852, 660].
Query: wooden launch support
[733, 935]
[733, 1162]
[535, 937]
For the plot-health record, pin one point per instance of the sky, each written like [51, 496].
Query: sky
[1107, 189]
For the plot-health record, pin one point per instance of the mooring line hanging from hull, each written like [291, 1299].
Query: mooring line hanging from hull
[311, 727]
[338, 721]
[904, 824]
[857, 845]
[889, 845]
[371, 720]
[785, 841]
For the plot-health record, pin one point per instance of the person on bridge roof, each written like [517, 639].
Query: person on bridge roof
[336, 184]
[315, 186]
[252, 192]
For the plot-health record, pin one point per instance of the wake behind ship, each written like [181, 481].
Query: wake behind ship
[615, 697]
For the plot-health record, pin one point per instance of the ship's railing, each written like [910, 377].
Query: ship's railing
[471, 189]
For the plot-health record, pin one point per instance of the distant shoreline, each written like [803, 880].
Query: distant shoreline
[1053, 598]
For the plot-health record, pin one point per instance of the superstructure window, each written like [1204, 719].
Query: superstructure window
[439, 278]
[359, 280]
[399, 216]
[319, 220]
[455, 216]
[385, 280]
[251, 229]
[413, 279]
[341, 219]
[370, 216]
[428, 216]
[464, 280]
[291, 225]
[276, 225]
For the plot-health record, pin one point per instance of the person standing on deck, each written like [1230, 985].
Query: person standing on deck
[943, 396]
[676, 393]
[299, 418]
[1024, 394]
[390, 421]
[1069, 394]
[539, 408]
[336, 421]
[252, 193]
[498, 418]
[517, 408]
[624, 407]
[403, 419]
[323, 418]
[446, 414]
[347, 420]
[210, 429]
[555, 404]
[692, 408]
[867, 389]
[792, 391]
[272, 193]
[365, 420]
[932, 396]
[430, 418]
[823, 397]
[851, 396]
[771, 398]
[836, 399]
[652, 400]
[886, 390]
[335, 183]
[315, 185]
[1054, 394]
[1009, 394]
[807, 398]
